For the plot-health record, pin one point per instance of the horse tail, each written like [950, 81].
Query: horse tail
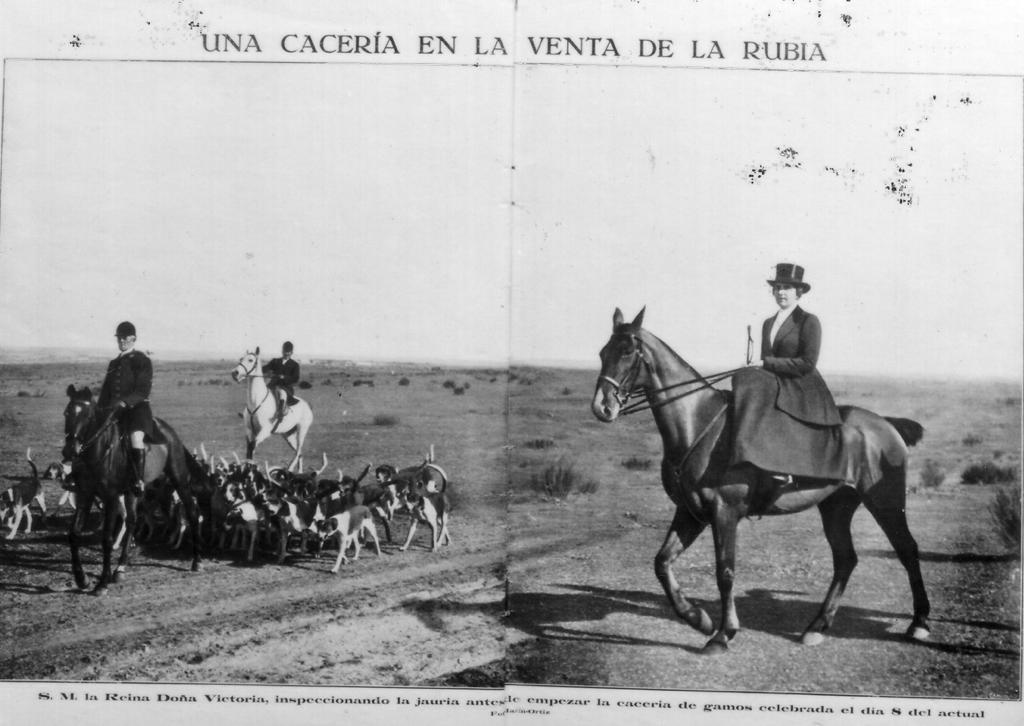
[910, 431]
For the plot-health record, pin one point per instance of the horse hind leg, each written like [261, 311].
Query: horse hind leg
[836, 514]
[887, 504]
[682, 532]
[295, 441]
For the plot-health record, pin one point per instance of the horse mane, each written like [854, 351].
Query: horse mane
[693, 371]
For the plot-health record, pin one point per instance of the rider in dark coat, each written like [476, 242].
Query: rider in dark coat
[792, 355]
[784, 417]
[282, 374]
[126, 386]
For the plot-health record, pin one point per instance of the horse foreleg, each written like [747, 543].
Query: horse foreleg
[83, 504]
[109, 517]
[127, 513]
[892, 518]
[836, 514]
[191, 507]
[683, 531]
[723, 527]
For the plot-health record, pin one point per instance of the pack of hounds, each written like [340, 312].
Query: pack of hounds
[244, 506]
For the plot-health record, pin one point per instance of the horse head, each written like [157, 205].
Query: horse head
[248, 365]
[78, 416]
[624, 368]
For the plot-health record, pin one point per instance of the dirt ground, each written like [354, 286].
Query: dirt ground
[536, 587]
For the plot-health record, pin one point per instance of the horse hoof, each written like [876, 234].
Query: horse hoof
[917, 634]
[700, 621]
[197, 567]
[812, 637]
[117, 576]
[715, 647]
[99, 591]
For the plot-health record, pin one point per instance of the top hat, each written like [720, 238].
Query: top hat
[124, 330]
[786, 273]
[287, 347]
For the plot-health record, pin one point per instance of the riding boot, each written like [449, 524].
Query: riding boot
[139, 465]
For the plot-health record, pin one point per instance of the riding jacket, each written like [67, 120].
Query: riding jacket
[282, 373]
[793, 358]
[129, 379]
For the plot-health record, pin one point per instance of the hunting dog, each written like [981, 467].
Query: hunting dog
[433, 508]
[421, 490]
[16, 501]
[294, 517]
[348, 525]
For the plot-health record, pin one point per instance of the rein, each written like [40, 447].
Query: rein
[111, 420]
[647, 404]
[251, 373]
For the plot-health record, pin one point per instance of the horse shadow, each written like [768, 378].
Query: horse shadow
[948, 557]
[16, 555]
[778, 613]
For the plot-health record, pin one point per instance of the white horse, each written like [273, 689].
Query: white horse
[261, 410]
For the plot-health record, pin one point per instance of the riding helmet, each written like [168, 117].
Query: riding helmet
[124, 330]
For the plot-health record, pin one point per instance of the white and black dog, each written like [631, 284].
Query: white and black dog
[16, 501]
[347, 526]
[426, 499]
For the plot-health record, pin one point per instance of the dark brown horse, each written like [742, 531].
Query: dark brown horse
[96, 450]
[693, 418]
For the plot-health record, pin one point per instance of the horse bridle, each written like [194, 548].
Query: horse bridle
[639, 360]
[251, 373]
[73, 435]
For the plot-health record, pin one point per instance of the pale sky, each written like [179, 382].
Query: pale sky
[363, 211]
[670, 188]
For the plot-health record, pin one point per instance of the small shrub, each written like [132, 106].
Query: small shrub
[1005, 512]
[384, 419]
[465, 386]
[538, 444]
[971, 440]
[403, 381]
[24, 394]
[559, 479]
[458, 390]
[988, 473]
[448, 384]
[566, 391]
[635, 463]
[932, 474]
[305, 385]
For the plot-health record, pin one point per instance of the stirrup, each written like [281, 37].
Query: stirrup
[784, 478]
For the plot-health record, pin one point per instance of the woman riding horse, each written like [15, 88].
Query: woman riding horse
[694, 420]
[778, 404]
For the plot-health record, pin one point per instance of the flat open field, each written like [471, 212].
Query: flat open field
[581, 606]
